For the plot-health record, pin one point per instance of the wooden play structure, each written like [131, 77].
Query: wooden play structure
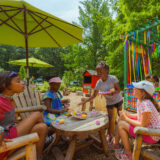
[140, 45]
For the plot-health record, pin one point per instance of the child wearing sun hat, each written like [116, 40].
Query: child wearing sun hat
[52, 99]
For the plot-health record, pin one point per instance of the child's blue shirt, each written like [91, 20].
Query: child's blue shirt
[55, 104]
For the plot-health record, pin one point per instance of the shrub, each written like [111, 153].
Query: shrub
[44, 87]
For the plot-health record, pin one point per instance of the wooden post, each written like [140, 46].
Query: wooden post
[103, 140]
[137, 147]
[71, 149]
[31, 152]
[83, 106]
[91, 105]
[114, 116]
[125, 66]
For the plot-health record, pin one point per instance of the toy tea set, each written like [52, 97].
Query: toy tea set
[81, 115]
[107, 92]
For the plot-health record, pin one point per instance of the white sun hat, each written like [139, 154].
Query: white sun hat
[146, 85]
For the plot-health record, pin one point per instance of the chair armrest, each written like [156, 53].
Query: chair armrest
[147, 131]
[20, 142]
[31, 109]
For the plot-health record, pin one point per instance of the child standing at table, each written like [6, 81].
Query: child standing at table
[52, 99]
[147, 116]
[113, 99]
[10, 83]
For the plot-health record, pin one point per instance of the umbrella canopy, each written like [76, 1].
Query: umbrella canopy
[22, 24]
[19, 20]
[33, 62]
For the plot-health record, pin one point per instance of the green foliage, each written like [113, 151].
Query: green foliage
[103, 22]
[67, 77]
[44, 87]
[1, 69]
[75, 88]
[22, 73]
[63, 85]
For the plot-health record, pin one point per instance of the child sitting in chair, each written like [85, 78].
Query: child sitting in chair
[52, 99]
[147, 116]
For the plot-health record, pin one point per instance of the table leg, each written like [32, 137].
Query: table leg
[103, 140]
[71, 149]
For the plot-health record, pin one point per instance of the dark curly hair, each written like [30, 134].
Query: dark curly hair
[5, 80]
[156, 78]
[102, 64]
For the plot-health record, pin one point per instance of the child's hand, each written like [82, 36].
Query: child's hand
[65, 110]
[123, 116]
[4, 144]
[82, 103]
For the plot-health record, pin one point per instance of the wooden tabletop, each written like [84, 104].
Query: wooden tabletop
[72, 124]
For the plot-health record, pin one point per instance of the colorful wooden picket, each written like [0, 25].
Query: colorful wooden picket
[130, 100]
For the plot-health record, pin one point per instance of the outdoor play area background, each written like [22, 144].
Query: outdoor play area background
[103, 23]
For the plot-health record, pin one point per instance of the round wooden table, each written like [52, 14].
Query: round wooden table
[78, 129]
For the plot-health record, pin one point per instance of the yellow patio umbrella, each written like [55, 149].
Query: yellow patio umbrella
[22, 24]
[33, 62]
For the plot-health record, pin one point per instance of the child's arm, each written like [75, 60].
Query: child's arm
[142, 123]
[90, 98]
[47, 103]
[134, 115]
[117, 88]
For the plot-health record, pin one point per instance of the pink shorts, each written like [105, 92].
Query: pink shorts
[12, 133]
[146, 138]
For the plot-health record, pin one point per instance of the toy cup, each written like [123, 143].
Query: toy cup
[93, 114]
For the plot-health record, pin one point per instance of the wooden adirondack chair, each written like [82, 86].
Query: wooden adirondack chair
[27, 101]
[138, 147]
[24, 147]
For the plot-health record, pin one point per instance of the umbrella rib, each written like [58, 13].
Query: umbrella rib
[11, 19]
[44, 15]
[11, 6]
[37, 26]
[39, 30]
[44, 30]
[4, 22]
[56, 19]
[10, 10]
[58, 27]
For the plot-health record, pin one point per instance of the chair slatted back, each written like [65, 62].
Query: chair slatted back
[30, 97]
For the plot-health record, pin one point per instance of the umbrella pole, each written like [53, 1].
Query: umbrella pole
[26, 44]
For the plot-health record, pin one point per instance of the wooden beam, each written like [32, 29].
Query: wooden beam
[148, 45]
[20, 142]
[146, 28]
[137, 147]
[149, 155]
[147, 131]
